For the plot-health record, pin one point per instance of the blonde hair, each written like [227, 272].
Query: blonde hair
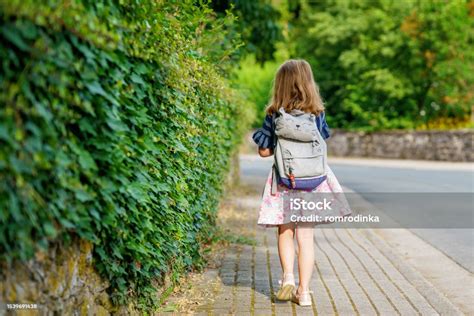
[294, 88]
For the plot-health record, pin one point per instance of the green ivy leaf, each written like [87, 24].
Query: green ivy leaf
[14, 36]
[86, 161]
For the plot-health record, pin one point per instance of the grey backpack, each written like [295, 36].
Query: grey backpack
[300, 151]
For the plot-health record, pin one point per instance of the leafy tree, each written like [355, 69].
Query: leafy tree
[257, 25]
[389, 64]
[255, 81]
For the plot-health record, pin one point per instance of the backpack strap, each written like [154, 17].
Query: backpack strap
[274, 180]
[274, 170]
[274, 116]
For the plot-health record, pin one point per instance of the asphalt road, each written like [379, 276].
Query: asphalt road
[454, 186]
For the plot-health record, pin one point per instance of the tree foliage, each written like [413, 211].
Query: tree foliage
[389, 64]
[255, 81]
[257, 24]
[116, 124]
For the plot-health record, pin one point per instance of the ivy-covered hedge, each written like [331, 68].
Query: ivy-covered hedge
[116, 124]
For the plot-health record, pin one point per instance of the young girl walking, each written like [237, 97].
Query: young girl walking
[293, 89]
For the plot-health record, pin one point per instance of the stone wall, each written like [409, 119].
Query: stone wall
[425, 145]
[61, 281]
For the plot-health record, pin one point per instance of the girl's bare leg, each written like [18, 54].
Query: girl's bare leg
[286, 250]
[304, 237]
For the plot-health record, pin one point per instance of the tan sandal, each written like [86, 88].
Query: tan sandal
[287, 287]
[303, 299]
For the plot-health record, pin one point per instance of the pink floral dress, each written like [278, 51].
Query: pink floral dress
[272, 210]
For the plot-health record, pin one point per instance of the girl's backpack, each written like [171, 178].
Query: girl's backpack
[300, 151]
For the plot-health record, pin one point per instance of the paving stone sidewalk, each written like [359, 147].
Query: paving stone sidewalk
[355, 273]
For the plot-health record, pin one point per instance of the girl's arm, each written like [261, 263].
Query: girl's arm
[323, 126]
[263, 137]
